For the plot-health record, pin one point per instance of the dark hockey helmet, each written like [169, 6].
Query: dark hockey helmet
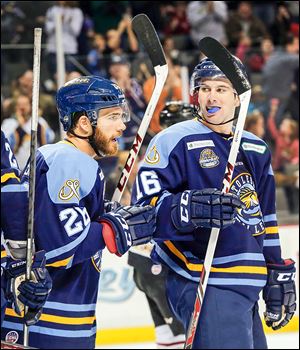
[207, 69]
[89, 94]
[175, 112]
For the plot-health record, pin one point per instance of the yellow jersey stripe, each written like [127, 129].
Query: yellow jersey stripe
[57, 319]
[60, 262]
[198, 267]
[241, 269]
[8, 176]
[3, 254]
[272, 230]
[153, 201]
[259, 233]
[175, 251]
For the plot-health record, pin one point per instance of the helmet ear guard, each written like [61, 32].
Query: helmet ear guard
[89, 94]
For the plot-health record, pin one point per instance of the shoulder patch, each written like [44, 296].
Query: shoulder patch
[248, 146]
[200, 144]
[152, 156]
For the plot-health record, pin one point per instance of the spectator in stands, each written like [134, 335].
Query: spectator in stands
[108, 14]
[23, 86]
[242, 22]
[258, 102]
[120, 73]
[255, 123]
[279, 73]
[18, 128]
[258, 58]
[265, 11]
[72, 20]
[122, 40]
[175, 23]
[13, 29]
[286, 153]
[207, 18]
[96, 58]
[172, 91]
[281, 27]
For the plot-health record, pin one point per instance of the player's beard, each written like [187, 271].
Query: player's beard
[104, 144]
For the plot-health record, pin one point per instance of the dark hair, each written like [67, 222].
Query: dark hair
[75, 118]
[289, 39]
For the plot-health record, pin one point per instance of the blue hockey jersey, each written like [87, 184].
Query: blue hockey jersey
[68, 202]
[14, 209]
[188, 156]
[14, 196]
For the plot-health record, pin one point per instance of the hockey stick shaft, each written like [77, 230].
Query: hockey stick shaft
[32, 164]
[244, 90]
[147, 35]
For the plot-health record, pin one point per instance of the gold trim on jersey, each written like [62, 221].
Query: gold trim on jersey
[153, 201]
[198, 267]
[272, 230]
[8, 176]
[60, 262]
[57, 319]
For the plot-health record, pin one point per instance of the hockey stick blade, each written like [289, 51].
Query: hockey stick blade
[222, 58]
[146, 34]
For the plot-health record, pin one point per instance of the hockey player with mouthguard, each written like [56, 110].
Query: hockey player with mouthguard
[181, 176]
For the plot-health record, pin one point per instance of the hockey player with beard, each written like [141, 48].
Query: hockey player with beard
[70, 221]
[181, 176]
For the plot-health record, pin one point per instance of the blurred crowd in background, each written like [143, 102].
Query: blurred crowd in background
[98, 39]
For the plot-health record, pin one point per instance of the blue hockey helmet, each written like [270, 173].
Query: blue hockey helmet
[89, 94]
[206, 69]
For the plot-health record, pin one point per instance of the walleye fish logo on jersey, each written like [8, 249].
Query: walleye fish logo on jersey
[251, 217]
[69, 190]
[153, 156]
[208, 158]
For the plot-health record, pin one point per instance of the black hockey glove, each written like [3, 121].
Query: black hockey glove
[128, 226]
[32, 293]
[204, 208]
[280, 294]
[110, 205]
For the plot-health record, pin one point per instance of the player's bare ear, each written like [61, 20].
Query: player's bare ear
[84, 124]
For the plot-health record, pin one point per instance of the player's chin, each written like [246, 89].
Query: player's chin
[112, 148]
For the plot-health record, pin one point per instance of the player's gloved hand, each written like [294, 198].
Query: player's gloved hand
[32, 293]
[204, 208]
[280, 294]
[128, 226]
[110, 205]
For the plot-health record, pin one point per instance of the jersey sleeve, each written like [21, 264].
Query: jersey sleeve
[160, 176]
[68, 204]
[266, 192]
[14, 202]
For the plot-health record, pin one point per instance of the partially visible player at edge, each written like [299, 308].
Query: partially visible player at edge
[14, 216]
[70, 220]
[183, 168]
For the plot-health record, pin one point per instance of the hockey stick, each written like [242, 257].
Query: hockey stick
[226, 62]
[146, 34]
[32, 164]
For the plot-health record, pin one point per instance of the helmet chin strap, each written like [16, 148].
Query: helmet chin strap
[200, 117]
